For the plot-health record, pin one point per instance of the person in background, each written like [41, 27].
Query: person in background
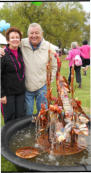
[72, 53]
[12, 77]
[85, 49]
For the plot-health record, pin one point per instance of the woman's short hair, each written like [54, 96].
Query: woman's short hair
[85, 42]
[34, 25]
[13, 29]
[74, 45]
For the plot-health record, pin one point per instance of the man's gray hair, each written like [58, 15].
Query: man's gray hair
[35, 25]
[74, 45]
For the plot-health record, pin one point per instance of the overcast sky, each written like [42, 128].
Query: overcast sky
[86, 5]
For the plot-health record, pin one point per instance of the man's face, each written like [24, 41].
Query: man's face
[35, 36]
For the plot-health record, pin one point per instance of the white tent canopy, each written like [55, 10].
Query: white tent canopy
[2, 39]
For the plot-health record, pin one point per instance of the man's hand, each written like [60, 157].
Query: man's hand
[3, 100]
[2, 53]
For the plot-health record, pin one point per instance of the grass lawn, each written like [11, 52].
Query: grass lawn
[83, 94]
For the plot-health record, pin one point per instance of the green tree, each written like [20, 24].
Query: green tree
[61, 21]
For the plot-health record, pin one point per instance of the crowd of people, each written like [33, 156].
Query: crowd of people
[23, 70]
[84, 55]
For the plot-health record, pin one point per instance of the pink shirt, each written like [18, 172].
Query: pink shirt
[85, 49]
[15, 52]
[72, 54]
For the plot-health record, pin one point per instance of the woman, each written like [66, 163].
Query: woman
[12, 77]
[72, 54]
[85, 49]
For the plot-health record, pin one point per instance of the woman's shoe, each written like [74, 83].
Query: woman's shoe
[84, 73]
[79, 86]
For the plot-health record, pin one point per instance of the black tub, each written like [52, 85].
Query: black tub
[6, 133]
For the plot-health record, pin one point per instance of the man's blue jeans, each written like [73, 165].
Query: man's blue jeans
[39, 97]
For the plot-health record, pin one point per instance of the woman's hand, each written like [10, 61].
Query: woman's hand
[2, 53]
[3, 100]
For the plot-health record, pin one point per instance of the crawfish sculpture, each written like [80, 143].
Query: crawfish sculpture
[64, 121]
[59, 128]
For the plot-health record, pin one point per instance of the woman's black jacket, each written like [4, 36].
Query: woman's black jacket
[12, 77]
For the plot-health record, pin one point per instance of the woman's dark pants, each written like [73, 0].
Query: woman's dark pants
[78, 74]
[14, 107]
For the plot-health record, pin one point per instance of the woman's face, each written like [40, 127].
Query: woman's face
[14, 40]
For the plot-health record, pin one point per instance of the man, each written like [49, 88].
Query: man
[35, 54]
